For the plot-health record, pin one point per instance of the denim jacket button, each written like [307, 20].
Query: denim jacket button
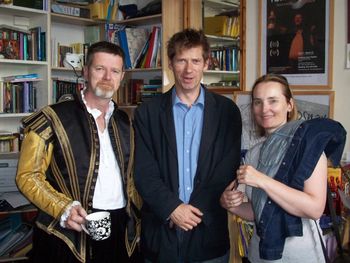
[269, 202]
[284, 163]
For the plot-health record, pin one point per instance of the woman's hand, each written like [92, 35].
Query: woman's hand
[247, 174]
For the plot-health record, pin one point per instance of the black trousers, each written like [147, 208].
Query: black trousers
[50, 249]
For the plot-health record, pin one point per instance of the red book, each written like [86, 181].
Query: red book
[150, 48]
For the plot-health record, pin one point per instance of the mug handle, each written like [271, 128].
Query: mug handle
[84, 228]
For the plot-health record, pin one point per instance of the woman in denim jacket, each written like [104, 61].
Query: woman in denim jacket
[285, 177]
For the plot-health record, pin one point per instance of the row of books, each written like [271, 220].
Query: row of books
[15, 237]
[9, 142]
[16, 43]
[142, 47]
[225, 58]
[135, 91]
[222, 25]
[104, 10]
[62, 87]
[70, 10]
[36, 4]
[59, 52]
[18, 93]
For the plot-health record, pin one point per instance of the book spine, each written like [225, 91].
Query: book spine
[124, 45]
[26, 97]
[150, 49]
[21, 46]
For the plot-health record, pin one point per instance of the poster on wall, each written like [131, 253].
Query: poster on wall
[295, 41]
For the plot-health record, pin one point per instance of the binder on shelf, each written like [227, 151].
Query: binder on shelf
[70, 10]
[124, 45]
[136, 38]
[142, 54]
[104, 10]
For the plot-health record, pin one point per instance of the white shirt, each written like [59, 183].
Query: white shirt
[109, 192]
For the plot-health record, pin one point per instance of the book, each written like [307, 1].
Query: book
[152, 62]
[15, 238]
[70, 10]
[1, 96]
[37, 4]
[36, 35]
[93, 34]
[20, 77]
[136, 38]
[140, 58]
[216, 25]
[124, 45]
[146, 63]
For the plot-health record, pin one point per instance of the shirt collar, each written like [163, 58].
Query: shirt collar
[95, 112]
[199, 100]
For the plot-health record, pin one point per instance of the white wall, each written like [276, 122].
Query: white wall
[341, 76]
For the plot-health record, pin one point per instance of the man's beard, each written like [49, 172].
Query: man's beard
[103, 93]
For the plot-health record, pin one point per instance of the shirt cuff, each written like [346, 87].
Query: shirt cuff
[66, 213]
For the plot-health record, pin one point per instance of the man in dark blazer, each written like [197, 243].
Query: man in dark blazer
[187, 151]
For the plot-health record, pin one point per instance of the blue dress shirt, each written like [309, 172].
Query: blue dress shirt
[188, 127]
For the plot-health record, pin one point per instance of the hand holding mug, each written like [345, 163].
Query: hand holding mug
[98, 225]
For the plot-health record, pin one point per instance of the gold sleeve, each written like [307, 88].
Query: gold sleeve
[31, 180]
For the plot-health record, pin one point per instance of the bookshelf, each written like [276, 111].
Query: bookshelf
[24, 18]
[66, 30]
[227, 40]
[169, 21]
[175, 15]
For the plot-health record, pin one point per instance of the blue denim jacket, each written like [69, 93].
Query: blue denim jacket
[310, 140]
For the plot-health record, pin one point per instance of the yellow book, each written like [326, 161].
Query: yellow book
[216, 25]
[97, 10]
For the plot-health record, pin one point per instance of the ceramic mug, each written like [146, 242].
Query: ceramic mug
[98, 225]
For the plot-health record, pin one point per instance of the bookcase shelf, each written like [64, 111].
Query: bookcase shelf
[59, 18]
[70, 29]
[220, 42]
[143, 69]
[16, 10]
[138, 21]
[22, 62]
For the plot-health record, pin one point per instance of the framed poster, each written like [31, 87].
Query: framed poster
[296, 40]
[310, 105]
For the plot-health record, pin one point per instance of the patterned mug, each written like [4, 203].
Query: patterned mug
[98, 225]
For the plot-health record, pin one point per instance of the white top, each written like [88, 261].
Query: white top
[109, 186]
[306, 248]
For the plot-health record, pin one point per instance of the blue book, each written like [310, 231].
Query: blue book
[26, 107]
[124, 45]
[18, 77]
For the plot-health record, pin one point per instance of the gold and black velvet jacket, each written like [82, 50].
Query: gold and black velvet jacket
[59, 163]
